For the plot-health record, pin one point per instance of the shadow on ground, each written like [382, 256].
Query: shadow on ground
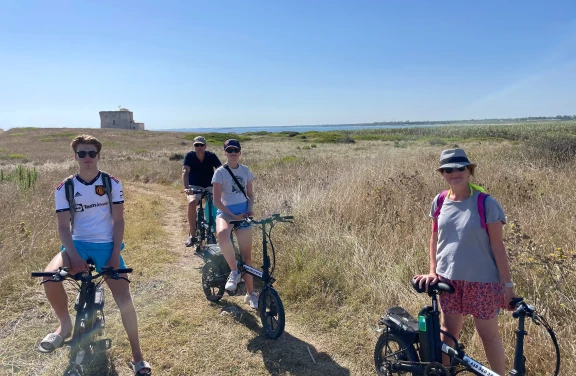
[287, 354]
[99, 364]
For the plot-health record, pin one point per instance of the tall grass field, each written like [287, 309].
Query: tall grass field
[361, 201]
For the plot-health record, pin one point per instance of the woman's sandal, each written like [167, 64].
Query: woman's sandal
[138, 366]
[51, 342]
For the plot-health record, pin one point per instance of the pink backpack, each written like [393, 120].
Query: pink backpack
[481, 203]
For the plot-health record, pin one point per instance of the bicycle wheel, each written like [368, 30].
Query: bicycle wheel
[210, 271]
[391, 348]
[271, 313]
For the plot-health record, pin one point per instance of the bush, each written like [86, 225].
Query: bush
[437, 141]
[218, 138]
[553, 149]
[176, 157]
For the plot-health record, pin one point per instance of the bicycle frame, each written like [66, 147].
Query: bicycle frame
[265, 274]
[431, 347]
[205, 226]
[87, 325]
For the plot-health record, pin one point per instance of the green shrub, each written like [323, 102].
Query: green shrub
[553, 149]
[24, 176]
[218, 138]
[16, 156]
[437, 141]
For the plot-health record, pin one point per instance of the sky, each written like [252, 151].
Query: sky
[228, 63]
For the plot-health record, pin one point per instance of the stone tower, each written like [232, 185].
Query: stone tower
[123, 119]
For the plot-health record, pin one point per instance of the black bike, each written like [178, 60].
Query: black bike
[89, 308]
[205, 220]
[407, 346]
[216, 270]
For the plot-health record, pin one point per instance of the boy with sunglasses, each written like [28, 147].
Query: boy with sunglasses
[197, 171]
[94, 231]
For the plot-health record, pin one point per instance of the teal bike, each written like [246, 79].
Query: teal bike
[205, 220]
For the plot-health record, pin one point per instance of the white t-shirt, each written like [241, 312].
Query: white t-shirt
[93, 220]
[231, 194]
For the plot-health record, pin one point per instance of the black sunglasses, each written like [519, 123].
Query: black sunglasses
[450, 170]
[198, 145]
[232, 150]
[82, 153]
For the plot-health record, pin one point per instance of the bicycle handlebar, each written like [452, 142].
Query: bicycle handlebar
[273, 218]
[63, 273]
[202, 192]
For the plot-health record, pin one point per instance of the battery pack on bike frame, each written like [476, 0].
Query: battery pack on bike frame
[402, 323]
[429, 332]
[98, 299]
[213, 253]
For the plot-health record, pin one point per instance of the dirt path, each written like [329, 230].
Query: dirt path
[292, 354]
[181, 333]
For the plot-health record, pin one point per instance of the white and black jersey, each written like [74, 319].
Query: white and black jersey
[93, 220]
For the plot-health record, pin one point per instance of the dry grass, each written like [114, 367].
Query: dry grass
[361, 232]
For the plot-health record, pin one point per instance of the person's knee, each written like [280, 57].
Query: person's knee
[488, 331]
[123, 300]
[192, 204]
[223, 237]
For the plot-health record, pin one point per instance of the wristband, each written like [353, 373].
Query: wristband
[509, 284]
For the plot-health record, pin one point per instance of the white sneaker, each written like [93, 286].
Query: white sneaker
[252, 300]
[233, 280]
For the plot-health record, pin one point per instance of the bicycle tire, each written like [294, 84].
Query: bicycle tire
[209, 271]
[393, 347]
[271, 312]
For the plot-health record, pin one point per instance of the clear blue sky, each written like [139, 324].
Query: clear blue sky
[214, 63]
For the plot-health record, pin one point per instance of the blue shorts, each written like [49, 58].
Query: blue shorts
[99, 253]
[240, 208]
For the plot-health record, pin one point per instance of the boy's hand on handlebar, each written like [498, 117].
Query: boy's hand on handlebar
[249, 214]
[427, 279]
[77, 263]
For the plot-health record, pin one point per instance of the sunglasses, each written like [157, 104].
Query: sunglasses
[232, 150]
[91, 154]
[199, 145]
[450, 170]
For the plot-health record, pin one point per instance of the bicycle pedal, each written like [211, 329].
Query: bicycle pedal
[105, 344]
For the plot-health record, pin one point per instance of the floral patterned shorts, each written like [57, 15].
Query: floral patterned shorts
[479, 299]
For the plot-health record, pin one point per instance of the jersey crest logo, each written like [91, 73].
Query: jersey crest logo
[99, 190]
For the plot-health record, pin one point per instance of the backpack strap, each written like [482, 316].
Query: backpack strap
[439, 202]
[107, 182]
[482, 209]
[69, 190]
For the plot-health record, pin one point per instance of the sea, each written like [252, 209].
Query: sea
[295, 128]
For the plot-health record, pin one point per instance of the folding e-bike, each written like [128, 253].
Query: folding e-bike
[89, 308]
[216, 270]
[407, 346]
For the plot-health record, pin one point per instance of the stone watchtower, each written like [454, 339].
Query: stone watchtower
[123, 119]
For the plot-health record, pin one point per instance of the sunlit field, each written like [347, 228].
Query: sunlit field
[360, 201]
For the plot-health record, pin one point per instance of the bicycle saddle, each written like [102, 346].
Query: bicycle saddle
[433, 288]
